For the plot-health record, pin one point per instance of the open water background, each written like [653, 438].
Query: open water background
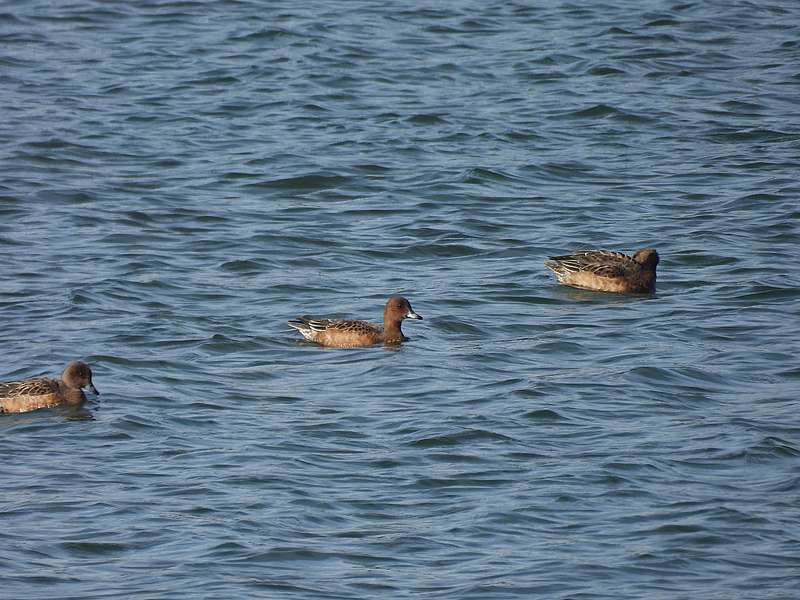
[179, 178]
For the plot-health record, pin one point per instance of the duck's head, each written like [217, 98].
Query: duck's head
[398, 308]
[79, 375]
[647, 257]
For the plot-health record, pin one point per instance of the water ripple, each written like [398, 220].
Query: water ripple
[180, 178]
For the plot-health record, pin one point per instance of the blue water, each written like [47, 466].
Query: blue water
[180, 178]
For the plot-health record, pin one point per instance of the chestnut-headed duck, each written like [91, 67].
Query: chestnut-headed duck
[43, 392]
[355, 334]
[607, 271]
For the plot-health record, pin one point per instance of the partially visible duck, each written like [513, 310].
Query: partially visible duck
[43, 392]
[355, 334]
[607, 271]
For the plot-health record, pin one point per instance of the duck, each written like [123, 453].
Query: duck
[607, 271]
[338, 333]
[42, 392]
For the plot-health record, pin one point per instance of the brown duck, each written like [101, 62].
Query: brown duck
[43, 392]
[354, 334]
[607, 271]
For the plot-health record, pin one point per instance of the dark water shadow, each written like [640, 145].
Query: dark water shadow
[580, 295]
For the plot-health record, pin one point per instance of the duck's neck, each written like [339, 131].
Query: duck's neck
[71, 395]
[391, 331]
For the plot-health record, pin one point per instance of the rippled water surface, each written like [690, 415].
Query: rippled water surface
[179, 178]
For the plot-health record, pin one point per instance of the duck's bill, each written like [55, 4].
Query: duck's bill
[412, 315]
[94, 389]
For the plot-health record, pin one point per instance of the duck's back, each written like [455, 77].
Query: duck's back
[338, 332]
[602, 270]
[27, 395]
